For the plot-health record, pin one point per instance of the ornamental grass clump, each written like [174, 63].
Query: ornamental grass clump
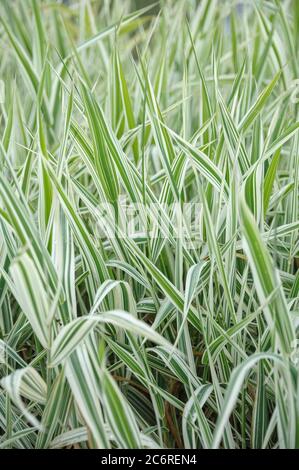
[149, 173]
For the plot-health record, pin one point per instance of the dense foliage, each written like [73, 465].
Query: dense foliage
[149, 282]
